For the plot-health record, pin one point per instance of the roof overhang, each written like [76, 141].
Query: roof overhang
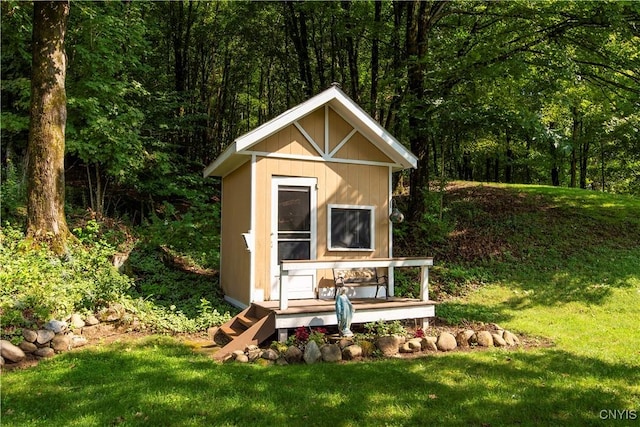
[236, 154]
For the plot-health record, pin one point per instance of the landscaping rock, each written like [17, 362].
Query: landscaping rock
[1, 361]
[461, 340]
[281, 361]
[352, 352]
[112, 313]
[11, 352]
[76, 321]
[293, 354]
[61, 343]
[429, 344]
[446, 342]
[44, 336]
[78, 341]
[29, 335]
[485, 339]
[55, 326]
[269, 354]
[253, 352]
[498, 341]
[28, 347]
[44, 352]
[237, 353]
[331, 353]
[415, 344]
[242, 358]
[388, 345]
[471, 335]
[312, 353]
[510, 338]
[406, 348]
[345, 342]
[91, 320]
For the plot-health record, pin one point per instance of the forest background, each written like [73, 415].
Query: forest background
[515, 92]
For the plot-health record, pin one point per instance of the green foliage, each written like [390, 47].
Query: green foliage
[383, 328]
[12, 205]
[39, 286]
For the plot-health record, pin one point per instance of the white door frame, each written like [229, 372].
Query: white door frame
[305, 280]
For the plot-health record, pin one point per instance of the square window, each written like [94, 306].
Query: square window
[351, 228]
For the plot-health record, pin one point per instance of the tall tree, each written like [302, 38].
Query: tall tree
[46, 220]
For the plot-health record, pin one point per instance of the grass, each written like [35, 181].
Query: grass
[566, 268]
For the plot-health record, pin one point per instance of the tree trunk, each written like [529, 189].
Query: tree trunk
[45, 169]
[575, 132]
[584, 156]
[375, 52]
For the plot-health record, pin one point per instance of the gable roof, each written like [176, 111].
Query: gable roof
[236, 154]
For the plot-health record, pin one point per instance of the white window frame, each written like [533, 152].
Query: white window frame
[372, 213]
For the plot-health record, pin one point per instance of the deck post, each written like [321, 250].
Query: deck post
[424, 283]
[284, 302]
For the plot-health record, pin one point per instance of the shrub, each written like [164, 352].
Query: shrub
[38, 285]
[382, 328]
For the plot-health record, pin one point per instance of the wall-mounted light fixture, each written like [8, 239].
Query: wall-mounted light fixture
[396, 216]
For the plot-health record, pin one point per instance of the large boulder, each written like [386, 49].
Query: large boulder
[61, 343]
[331, 352]
[498, 341]
[44, 352]
[293, 355]
[510, 338]
[485, 339]
[76, 321]
[11, 352]
[446, 342]
[55, 326]
[44, 336]
[389, 345]
[429, 344]
[352, 352]
[269, 354]
[28, 347]
[312, 353]
[29, 335]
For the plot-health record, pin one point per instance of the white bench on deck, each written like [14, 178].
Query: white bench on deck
[298, 267]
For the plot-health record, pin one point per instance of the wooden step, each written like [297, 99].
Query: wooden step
[247, 320]
[229, 331]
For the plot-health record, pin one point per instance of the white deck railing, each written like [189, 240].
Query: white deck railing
[293, 268]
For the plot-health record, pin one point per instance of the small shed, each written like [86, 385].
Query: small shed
[314, 183]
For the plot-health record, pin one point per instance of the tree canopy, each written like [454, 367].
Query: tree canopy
[519, 91]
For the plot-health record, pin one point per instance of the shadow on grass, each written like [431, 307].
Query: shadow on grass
[160, 383]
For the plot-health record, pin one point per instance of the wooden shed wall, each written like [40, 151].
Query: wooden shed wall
[235, 261]
[337, 184]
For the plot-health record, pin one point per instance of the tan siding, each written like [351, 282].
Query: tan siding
[359, 148]
[288, 141]
[236, 217]
[313, 124]
[338, 129]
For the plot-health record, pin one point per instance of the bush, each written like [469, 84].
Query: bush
[38, 285]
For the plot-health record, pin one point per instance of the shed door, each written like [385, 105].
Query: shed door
[293, 233]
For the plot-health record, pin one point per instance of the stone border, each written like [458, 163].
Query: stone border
[387, 346]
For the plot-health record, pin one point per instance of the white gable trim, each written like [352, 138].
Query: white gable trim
[333, 97]
[343, 142]
[308, 138]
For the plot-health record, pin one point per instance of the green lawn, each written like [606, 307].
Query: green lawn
[581, 293]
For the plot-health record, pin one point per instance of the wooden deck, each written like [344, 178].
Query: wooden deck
[321, 312]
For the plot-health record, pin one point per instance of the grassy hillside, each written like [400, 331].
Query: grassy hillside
[556, 262]
[559, 264]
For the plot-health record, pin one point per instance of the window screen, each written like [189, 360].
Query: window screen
[351, 228]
